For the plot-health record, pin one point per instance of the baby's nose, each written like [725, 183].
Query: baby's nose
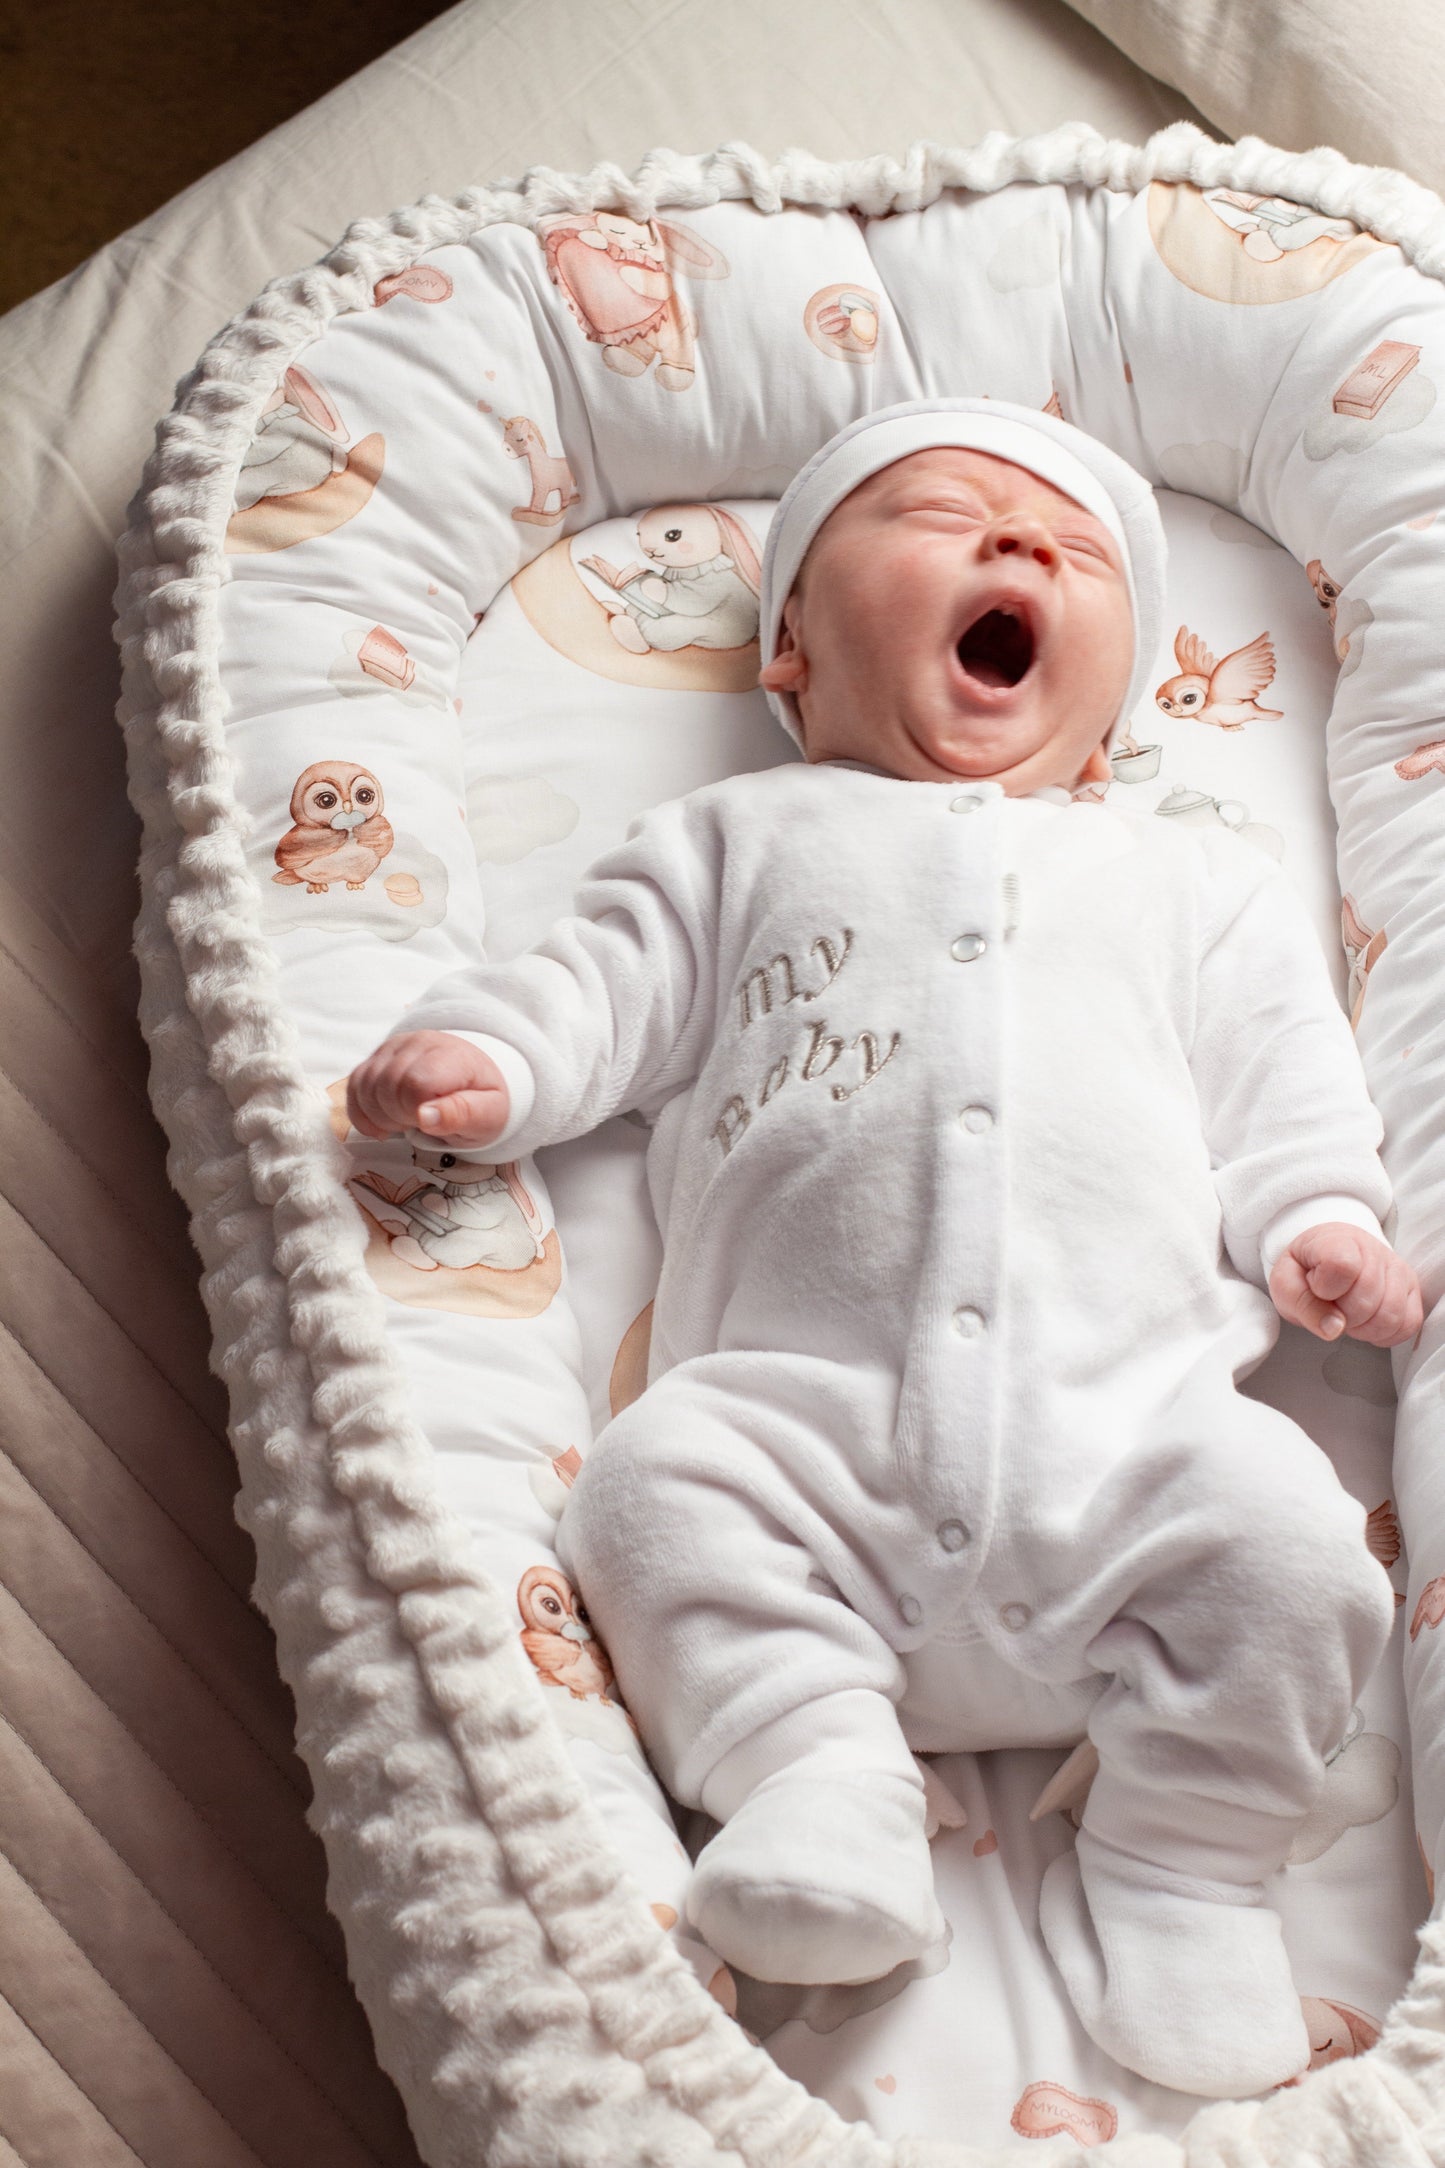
[1021, 532]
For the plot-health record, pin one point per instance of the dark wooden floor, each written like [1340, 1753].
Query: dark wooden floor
[109, 107]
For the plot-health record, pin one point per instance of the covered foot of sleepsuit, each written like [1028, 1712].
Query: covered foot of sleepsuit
[1180, 1979]
[819, 1879]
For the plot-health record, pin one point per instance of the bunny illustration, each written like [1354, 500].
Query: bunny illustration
[1271, 226]
[615, 274]
[299, 443]
[471, 1212]
[706, 593]
[1219, 692]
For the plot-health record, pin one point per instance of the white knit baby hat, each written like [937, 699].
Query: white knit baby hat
[1097, 478]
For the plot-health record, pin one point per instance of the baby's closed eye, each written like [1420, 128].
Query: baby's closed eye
[973, 514]
[1084, 542]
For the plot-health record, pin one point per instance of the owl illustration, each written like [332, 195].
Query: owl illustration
[1219, 692]
[1327, 590]
[557, 1635]
[339, 833]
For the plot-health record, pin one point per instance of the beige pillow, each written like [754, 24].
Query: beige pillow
[1365, 76]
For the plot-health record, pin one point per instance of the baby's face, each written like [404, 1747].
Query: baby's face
[957, 615]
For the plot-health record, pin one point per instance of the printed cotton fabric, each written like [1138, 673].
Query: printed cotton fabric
[492, 577]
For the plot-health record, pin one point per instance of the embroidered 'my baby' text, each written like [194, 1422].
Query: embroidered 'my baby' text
[775, 985]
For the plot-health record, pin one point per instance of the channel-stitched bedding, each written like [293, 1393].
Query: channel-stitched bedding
[317, 601]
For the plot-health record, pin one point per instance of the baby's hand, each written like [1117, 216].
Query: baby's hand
[429, 1080]
[1337, 1278]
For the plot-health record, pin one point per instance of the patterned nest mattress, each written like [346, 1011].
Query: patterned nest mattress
[446, 567]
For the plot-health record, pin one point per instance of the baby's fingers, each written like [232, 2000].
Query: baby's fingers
[1347, 1272]
[1400, 1311]
[1292, 1297]
[470, 1117]
[371, 1095]
[384, 1093]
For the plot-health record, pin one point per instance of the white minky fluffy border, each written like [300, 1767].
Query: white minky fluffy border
[520, 1994]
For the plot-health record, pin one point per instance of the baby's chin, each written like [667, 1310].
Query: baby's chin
[925, 746]
[1019, 758]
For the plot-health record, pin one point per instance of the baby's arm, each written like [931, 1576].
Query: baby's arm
[1286, 1111]
[612, 1008]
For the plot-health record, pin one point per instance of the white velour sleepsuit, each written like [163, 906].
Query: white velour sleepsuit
[978, 1120]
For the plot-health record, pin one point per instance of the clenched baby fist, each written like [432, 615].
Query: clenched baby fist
[430, 1081]
[1336, 1278]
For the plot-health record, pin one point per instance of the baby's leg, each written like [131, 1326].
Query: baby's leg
[1225, 1583]
[763, 1698]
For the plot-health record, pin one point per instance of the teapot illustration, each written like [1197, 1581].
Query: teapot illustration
[1199, 809]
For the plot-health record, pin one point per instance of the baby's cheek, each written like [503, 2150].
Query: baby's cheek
[1115, 623]
[1102, 657]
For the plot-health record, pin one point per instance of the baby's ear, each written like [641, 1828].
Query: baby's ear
[787, 673]
[788, 670]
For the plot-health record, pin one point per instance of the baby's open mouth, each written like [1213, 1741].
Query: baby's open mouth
[998, 647]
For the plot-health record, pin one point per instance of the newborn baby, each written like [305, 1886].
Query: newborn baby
[994, 1129]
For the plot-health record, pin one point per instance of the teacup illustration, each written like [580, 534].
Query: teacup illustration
[1134, 763]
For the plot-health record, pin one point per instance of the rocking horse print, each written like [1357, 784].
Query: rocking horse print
[550, 477]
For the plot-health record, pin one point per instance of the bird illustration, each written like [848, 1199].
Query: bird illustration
[557, 1634]
[1430, 1610]
[1382, 1533]
[1209, 691]
[338, 831]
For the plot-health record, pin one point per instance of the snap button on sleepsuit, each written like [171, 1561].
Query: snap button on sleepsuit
[952, 1534]
[1015, 1616]
[968, 1321]
[966, 947]
[910, 1610]
[966, 803]
[976, 1119]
